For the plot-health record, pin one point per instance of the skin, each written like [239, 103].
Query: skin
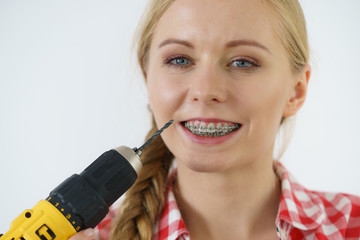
[87, 234]
[223, 66]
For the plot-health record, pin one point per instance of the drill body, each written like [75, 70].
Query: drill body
[43, 222]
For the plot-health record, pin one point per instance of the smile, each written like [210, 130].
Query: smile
[210, 129]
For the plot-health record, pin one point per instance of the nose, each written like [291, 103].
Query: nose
[208, 86]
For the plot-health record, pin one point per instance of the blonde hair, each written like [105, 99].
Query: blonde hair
[145, 200]
[290, 20]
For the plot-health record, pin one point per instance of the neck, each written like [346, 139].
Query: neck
[235, 204]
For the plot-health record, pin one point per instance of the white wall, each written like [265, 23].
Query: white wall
[325, 151]
[68, 92]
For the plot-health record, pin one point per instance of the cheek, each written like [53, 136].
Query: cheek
[165, 96]
[265, 101]
[165, 99]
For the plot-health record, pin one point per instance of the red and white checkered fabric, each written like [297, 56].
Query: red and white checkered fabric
[305, 214]
[302, 214]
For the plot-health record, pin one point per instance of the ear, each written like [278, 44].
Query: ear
[149, 105]
[298, 92]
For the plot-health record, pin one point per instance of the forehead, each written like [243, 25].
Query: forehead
[218, 21]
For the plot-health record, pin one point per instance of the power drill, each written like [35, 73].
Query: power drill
[82, 200]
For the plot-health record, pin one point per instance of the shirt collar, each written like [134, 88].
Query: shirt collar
[298, 208]
[170, 225]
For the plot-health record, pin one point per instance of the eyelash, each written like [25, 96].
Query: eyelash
[253, 64]
[168, 61]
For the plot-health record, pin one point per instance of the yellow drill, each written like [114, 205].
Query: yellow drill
[82, 200]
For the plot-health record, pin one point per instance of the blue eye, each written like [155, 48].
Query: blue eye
[180, 61]
[241, 63]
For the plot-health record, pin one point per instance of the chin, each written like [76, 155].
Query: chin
[204, 164]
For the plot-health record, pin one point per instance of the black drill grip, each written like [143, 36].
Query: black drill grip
[86, 198]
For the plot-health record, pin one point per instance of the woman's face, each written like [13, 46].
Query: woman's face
[218, 69]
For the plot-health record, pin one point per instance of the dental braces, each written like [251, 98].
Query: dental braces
[211, 130]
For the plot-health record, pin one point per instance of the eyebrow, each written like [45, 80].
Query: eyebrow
[176, 41]
[236, 43]
[230, 44]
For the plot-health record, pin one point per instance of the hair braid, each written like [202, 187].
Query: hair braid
[145, 199]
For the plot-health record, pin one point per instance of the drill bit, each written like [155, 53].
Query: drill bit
[138, 151]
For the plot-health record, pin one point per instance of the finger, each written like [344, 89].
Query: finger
[87, 234]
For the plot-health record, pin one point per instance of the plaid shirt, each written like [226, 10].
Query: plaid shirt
[302, 214]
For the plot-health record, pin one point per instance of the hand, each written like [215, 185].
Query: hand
[87, 234]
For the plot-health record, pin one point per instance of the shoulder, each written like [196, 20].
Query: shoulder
[315, 213]
[341, 211]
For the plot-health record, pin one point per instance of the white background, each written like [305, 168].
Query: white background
[70, 91]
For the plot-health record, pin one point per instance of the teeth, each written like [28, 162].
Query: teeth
[225, 128]
[209, 129]
[196, 125]
[202, 127]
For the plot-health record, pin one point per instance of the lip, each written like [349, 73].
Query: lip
[204, 139]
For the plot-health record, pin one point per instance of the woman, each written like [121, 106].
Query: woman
[230, 74]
